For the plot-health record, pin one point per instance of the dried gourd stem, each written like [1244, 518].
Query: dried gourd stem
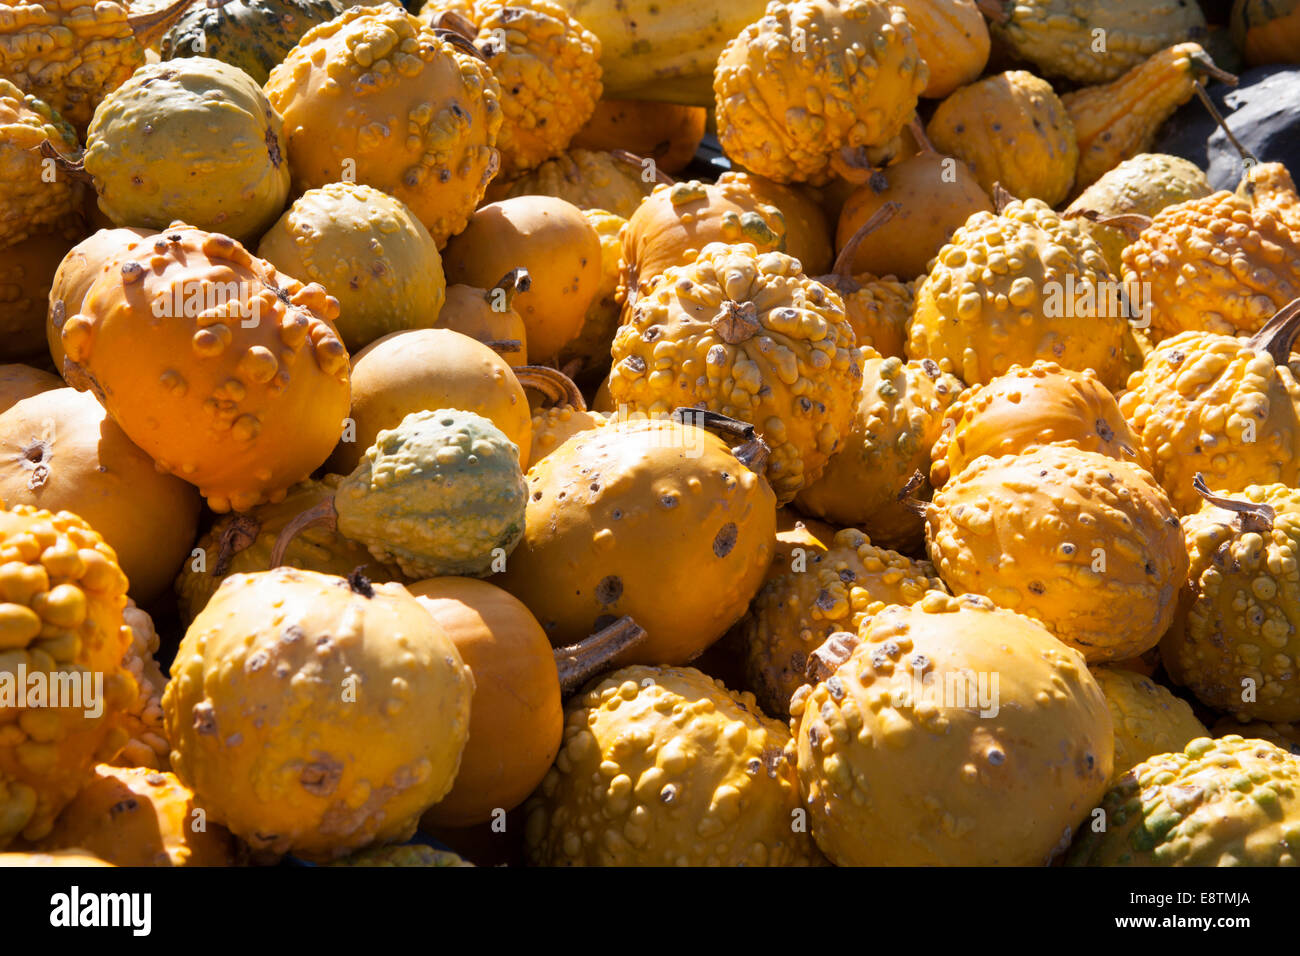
[736, 322]
[510, 285]
[1204, 65]
[833, 652]
[360, 584]
[1278, 333]
[505, 346]
[1250, 515]
[625, 156]
[750, 450]
[579, 663]
[993, 11]
[1132, 224]
[907, 498]
[918, 133]
[74, 169]
[554, 385]
[239, 534]
[1001, 198]
[454, 22]
[322, 515]
[459, 41]
[1246, 155]
[844, 261]
[852, 165]
[150, 27]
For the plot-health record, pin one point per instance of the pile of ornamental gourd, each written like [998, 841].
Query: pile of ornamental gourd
[419, 450]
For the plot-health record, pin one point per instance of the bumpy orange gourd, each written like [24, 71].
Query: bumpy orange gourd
[423, 369]
[143, 718]
[631, 512]
[225, 372]
[813, 595]
[587, 178]
[553, 426]
[61, 451]
[1269, 186]
[74, 277]
[935, 196]
[375, 96]
[1016, 287]
[807, 232]
[489, 316]
[1010, 128]
[793, 106]
[1219, 405]
[556, 244]
[1120, 119]
[664, 132]
[141, 817]
[878, 308]
[953, 40]
[1148, 719]
[1217, 264]
[751, 337]
[1043, 404]
[1087, 545]
[1266, 31]
[900, 413]
[548, 66]
[61, 618]
[672, 227]
[29, 199]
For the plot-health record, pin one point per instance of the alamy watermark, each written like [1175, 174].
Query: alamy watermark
[73, 690]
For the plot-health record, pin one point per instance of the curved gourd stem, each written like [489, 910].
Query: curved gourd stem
[580, 662]
[454, 22]
[750, 450]
[918, 134]
[74, 169]
[554, 385]
[460, 42]
[844, 261]
[833, 652]
[322, 515]
[1204, 65]
[148, 28]
[511, 284]
[1132, 224]
[1278, 333]
[851, 165]
[639, 162]
[1246, 155]
[906, 495]
[239, 534]
[505, 346]
[1250, 515]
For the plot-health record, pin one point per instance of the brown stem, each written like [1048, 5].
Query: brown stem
[1208, 103]
[74, 169]
[459, 41]
[1132, 224]
[1278, 333]
[360, 584]
[512, 283]
[150, 27]
[844, 261]
[918, 134]
[750, 450]
[455, 23]
[1001, 198]
[736, 322]
[322, 515]
[826, 660]
[554, 385]
[579, 663]
[505, 346]
[1202, 63]
[239, 534]
[623, 155]
[1250, 516]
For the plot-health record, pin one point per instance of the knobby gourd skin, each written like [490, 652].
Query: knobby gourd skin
[555, 242]
[1286, 736]
[227, 373]
[242, 544]
[1118, 120]
[253, 35]
[1269, 186]
[375, 94]
[225, 170]
[900, 413]
[61, 451]
[1212, 404]
[621, 516]
[138, 816]
[807, 232]
[143, 718]
[552, 427]
[1148, 719]
[315, 715]
[61, 616]
[1042, 404]
[442, 493]
[1012, 129]
[1061, 36]
[1225, 802]
[590, 349]
[878, 308]
[1015, 287]
[75, 275]
[935, 196]
[548, 66]
[664, 766]
[589, 179]
[1214, 264]
[1233, 643]
[751, 337]
[673, 226]
[516, 717]
[1144, 184]
[27, 201]
[814, 80]
[419, 369]
[368, 251]
[1088, 545]
[800, 606]
[909, 755]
